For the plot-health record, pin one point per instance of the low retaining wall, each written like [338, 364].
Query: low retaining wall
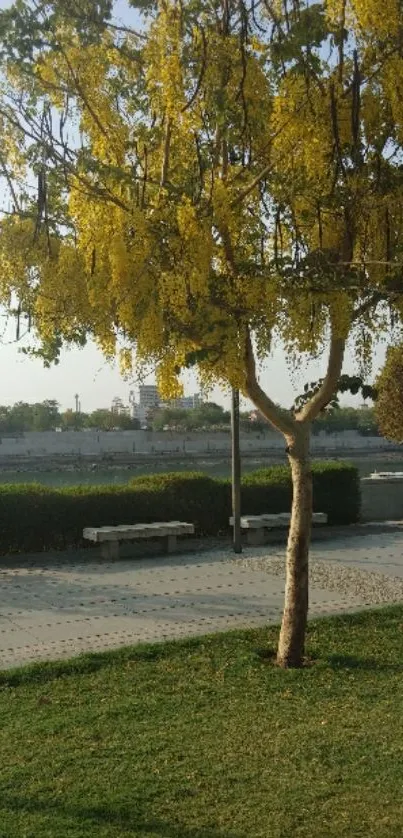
[141, 443]
[382, 498]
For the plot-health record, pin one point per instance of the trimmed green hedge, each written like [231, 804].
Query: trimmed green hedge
[336, 491]
[34, 518]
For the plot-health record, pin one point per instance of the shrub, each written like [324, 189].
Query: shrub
[336, 491]
[34, 518]
[190, 496]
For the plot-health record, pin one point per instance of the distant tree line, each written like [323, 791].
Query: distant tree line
[46, 416]
[338, 419]
[206, 416]
[210, 416]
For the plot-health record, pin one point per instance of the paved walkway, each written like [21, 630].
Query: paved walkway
[59, 607]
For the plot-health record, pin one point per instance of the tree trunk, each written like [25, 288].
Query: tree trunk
[291, 645]
[236, 472]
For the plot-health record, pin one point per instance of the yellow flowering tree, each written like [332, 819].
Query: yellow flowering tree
[389, 395]
[227, 176]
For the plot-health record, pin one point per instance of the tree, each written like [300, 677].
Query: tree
[171, 417]
[4, 418]
[126, 423]
[102, 420]
[210, 415]
[389, 402]
[70, 420]
[46, 416]
[42, 416]
[207, 415]
[253, 424]
[226, 178]
[338, 419]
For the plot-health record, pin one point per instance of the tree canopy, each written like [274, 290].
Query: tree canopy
[231, 170]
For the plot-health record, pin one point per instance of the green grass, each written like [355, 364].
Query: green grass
[206, 739]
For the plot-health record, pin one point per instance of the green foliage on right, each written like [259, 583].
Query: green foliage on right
[34, 518]
[389, 404]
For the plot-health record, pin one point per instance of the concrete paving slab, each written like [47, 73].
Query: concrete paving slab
[52, 608]
[380, 552]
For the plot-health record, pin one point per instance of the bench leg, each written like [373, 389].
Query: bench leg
[170, 543]
[256, 537]
[110, 550]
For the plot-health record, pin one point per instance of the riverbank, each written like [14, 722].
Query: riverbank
[118, 469]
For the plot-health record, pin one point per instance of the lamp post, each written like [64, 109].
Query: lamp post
[236, 471]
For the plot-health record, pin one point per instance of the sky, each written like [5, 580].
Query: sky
[97, 382]
[85, 371]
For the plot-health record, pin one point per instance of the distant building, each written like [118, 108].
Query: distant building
[189, 402]
[139, 413]
[119, 408]
[149, 399]
[184, 402]
[149, 396]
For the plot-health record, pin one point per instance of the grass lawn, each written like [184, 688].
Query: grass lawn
[206, 739]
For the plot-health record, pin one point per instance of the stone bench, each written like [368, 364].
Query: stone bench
[255, 526]
[109, 537]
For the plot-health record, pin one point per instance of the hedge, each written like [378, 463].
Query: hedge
[336, 491]
[34, 518]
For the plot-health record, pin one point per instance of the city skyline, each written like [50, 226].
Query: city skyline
[85, 372]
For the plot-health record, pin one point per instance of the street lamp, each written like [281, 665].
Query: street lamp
[236, 471]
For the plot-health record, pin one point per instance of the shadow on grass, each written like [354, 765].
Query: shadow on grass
[123, 817]
[86, 664]
[90, 662]
[364, 664]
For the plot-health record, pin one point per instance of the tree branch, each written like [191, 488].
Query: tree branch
[373, 301]
[278, 418]
[167, 148]
[10, 183]
[329, 384]
[81, 93]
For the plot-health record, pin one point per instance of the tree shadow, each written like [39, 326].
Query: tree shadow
[127, 819]
[143, 553]
[87, 663]
[338, 662]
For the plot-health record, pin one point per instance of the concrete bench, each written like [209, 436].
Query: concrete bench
[109, 537]
[255, 526]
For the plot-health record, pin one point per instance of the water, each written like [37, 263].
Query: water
[215, 468]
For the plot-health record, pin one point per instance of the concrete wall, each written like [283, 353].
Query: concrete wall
[382, 499]
[91, 443]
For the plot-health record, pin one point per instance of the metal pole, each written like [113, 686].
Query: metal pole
[236, 472]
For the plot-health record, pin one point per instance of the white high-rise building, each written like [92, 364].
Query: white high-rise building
[149, 396]
[186, 402]
[119, 408]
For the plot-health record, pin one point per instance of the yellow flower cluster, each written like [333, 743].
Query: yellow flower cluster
[205, 174]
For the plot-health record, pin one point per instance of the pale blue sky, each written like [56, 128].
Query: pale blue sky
[86, 372]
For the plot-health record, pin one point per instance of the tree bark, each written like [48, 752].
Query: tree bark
[296, 430]
[291, 646]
